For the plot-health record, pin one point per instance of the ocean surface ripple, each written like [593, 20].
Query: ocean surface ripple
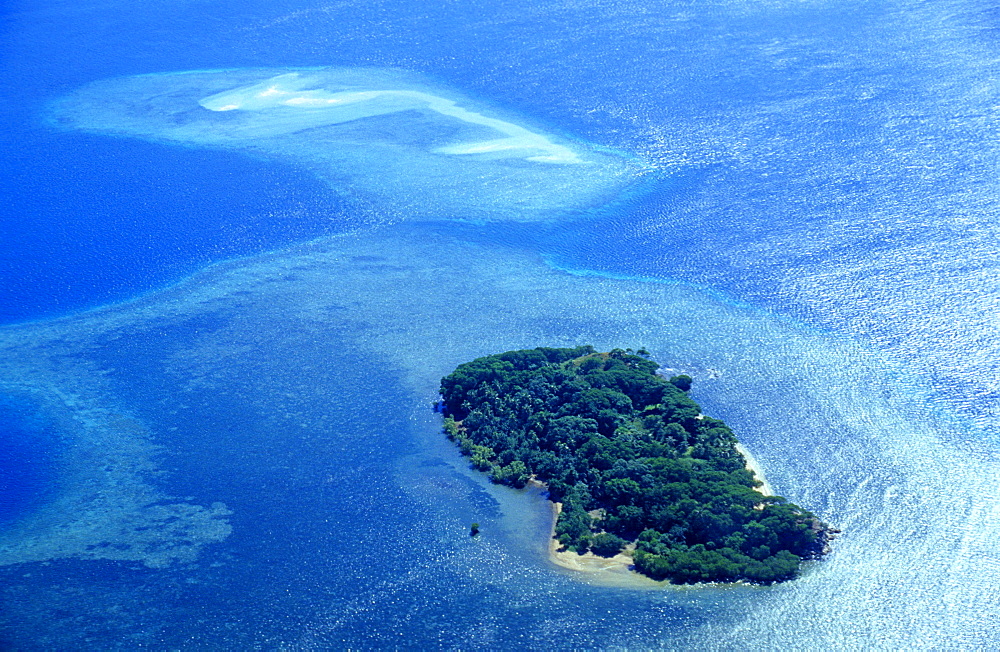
[230, 293]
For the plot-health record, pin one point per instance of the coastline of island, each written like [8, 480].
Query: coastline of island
[620, 567]
[588, 562]
[753, 466]
[640, 479]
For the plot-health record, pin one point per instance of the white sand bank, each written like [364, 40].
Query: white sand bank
[754, 466]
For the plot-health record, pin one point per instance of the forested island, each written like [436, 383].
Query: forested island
[633, 461]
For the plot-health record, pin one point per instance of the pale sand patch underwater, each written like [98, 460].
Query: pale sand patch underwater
[397, 145]
[420, 302]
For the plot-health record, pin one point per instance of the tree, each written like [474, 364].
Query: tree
[606, 544]
[605, 432]
[681, 382]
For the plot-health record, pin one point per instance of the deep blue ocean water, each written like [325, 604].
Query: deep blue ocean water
[821, 226]
[106, 232]
[28, 448]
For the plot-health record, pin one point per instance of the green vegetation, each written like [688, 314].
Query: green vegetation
[632, 460]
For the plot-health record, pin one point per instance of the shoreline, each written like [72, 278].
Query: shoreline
[587, 562]
[753, 466]
[617, 570]
[607, 571]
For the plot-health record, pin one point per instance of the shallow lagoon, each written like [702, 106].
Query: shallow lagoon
[268, 384]
[829, 162]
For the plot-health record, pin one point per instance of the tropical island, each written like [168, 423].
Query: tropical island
[633, 463]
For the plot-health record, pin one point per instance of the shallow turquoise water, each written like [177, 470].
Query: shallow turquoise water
[296, 390]
[248, 458]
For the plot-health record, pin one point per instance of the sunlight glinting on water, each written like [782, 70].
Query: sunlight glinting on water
[793, 202]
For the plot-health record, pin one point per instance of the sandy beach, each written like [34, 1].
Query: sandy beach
[617, 570]
[588, 562]
[754, 466]
[607, 571]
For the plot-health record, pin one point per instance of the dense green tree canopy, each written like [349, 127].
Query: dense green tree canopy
[632, 460]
